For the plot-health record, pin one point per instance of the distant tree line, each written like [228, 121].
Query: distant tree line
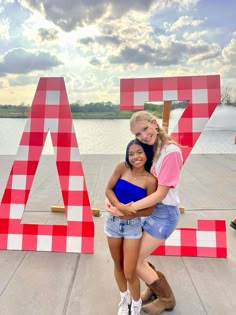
[102, 107]
[16, 107]
[228, 97]
[94, 107]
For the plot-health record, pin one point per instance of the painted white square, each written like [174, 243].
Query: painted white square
[75, 154]
[73, 244]
[206, 238]
[76, 183]
[174, 239]
[140, 98]
[23, 153]
[199, 124]
[44, 243]
[74, 213]
[170, 95]
[19, 182]
[16, 211]
[199, 96]
[14, 241]
[52, 97]
[51, 124]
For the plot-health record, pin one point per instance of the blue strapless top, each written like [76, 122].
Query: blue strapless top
[127, 192]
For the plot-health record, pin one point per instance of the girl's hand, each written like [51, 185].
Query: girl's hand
[126, 209]
[112, 210]
[115, 212]
[107, 204]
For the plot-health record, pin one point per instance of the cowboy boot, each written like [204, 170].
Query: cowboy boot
[148, 295]
[165, 300]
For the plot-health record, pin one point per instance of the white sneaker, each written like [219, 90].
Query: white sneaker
[136, 309]
[124, 305]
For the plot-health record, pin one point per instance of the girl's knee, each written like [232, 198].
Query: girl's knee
[130, 276]
[118, 265]
[140, 266]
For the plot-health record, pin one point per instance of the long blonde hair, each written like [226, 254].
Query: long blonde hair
[162, 137]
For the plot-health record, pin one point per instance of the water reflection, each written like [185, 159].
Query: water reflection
[111, 136]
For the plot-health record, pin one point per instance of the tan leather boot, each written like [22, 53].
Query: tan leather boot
[165, 300]
[147, 296]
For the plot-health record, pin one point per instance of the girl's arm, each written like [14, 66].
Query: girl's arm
[117, 173]
[112, 210]
[151, 188]
[152, 199]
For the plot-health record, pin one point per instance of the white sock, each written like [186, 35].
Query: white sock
[137, 303]
[123, 294]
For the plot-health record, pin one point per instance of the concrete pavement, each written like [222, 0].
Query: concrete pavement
[44, 283]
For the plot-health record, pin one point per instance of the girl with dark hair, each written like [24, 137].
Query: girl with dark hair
[130, 181]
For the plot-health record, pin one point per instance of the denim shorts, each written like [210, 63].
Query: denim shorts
[118, 228]
[162, 222]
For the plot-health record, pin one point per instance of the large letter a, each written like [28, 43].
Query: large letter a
[50, 111]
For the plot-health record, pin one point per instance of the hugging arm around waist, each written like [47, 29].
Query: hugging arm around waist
[152, 199]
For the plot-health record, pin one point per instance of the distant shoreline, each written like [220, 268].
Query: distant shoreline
[123, 114]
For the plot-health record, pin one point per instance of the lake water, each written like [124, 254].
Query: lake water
[96, 136]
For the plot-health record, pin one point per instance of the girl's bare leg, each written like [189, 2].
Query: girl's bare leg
[116, 250]
[131, 252]
[148, 245]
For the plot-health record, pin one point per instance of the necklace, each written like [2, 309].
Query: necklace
[135, 177]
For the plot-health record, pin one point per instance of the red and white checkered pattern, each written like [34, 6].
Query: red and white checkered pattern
[50, 111]
[208, 240]
[202, 92]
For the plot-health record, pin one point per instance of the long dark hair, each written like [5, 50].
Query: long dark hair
[148, 150]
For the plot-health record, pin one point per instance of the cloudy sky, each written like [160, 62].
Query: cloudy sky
[95, 43]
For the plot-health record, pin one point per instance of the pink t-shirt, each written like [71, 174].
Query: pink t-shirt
[167, 170]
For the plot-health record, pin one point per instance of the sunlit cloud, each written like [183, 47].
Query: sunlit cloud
[4, 29]
[194, 36]
[183, 21]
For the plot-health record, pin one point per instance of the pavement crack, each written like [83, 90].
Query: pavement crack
[69, 293]
[13, 274]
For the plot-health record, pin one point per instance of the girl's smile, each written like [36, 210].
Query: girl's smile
[145, 131]
[137, 156]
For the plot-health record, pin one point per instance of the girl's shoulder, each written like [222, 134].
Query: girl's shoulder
[171, 148]
[151, 178]
[121, 167]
